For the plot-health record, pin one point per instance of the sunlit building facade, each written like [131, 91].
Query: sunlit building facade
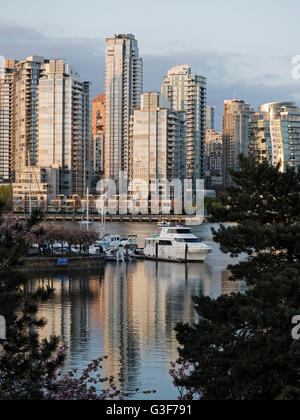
[123, 89]
[158, 137]
[26, 79]
[64, 132]
[48, 110]
[274, 134]
[6, 121]
[43, 188]
[98, 135]
[186, 92]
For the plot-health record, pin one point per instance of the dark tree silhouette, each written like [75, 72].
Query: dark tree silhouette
[243, 348]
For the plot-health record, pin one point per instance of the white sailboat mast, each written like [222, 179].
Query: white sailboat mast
[87, 207]
[29, 174]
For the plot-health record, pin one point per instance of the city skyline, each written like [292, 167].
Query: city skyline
[238, 61]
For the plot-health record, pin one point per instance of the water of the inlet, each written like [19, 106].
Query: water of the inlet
[128, 311]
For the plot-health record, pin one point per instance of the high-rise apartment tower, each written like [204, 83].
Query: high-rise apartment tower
[187, 92]
[235, 135]
[123, 89]
[210, 117]
[158, 137]
[6, 121]
[274, 134]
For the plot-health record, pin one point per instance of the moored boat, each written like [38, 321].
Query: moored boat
[176, 243]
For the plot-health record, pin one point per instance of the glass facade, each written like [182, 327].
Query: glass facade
[157, 141]
[51, 121]
[6, 124]
[186, 92]
[274, 134]
[235, 135]
[210, 118]
[123, 89]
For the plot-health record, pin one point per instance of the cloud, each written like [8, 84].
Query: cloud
[228, 76]
[86, 55]
[254, 94]
[270, 76]
[11, 34]
[255, 79]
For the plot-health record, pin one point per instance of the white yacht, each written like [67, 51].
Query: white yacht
[176, 243]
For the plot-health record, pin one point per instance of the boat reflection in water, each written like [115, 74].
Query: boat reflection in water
[128, 312]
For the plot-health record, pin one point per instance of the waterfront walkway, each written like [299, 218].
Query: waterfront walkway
[59, 217]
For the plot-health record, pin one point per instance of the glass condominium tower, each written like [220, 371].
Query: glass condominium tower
[51, 123]
[157, 137]
[210, 117]
[235, 135]
[187, 92]
[64, 132]
[6, 121]
[274, 134]
[123, 90]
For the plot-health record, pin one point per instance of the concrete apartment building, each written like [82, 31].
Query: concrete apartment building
[44, 187]
[6, 121]
[123, 89]
[274, 134]
[64, 131]
[235, 135]
[214, 152]
[157, 141]
[187, 92]
[213, 159]
[98, 135]
[210, 118]
[51, 128]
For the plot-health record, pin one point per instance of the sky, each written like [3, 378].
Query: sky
[244, 48]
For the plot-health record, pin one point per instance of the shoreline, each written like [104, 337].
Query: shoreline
[116, 218]
[61, 264]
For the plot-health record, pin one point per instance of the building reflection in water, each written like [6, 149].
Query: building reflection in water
[128, 313]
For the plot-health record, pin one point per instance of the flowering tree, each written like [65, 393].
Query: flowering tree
[60, 234]
[52, 233]
[71, 238]
[86, 386]
[86, 239]
[179, 373]
[13, 232]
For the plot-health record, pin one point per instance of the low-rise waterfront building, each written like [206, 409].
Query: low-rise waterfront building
[39, 193]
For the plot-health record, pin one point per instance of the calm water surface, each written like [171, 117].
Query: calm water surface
[128, 312]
